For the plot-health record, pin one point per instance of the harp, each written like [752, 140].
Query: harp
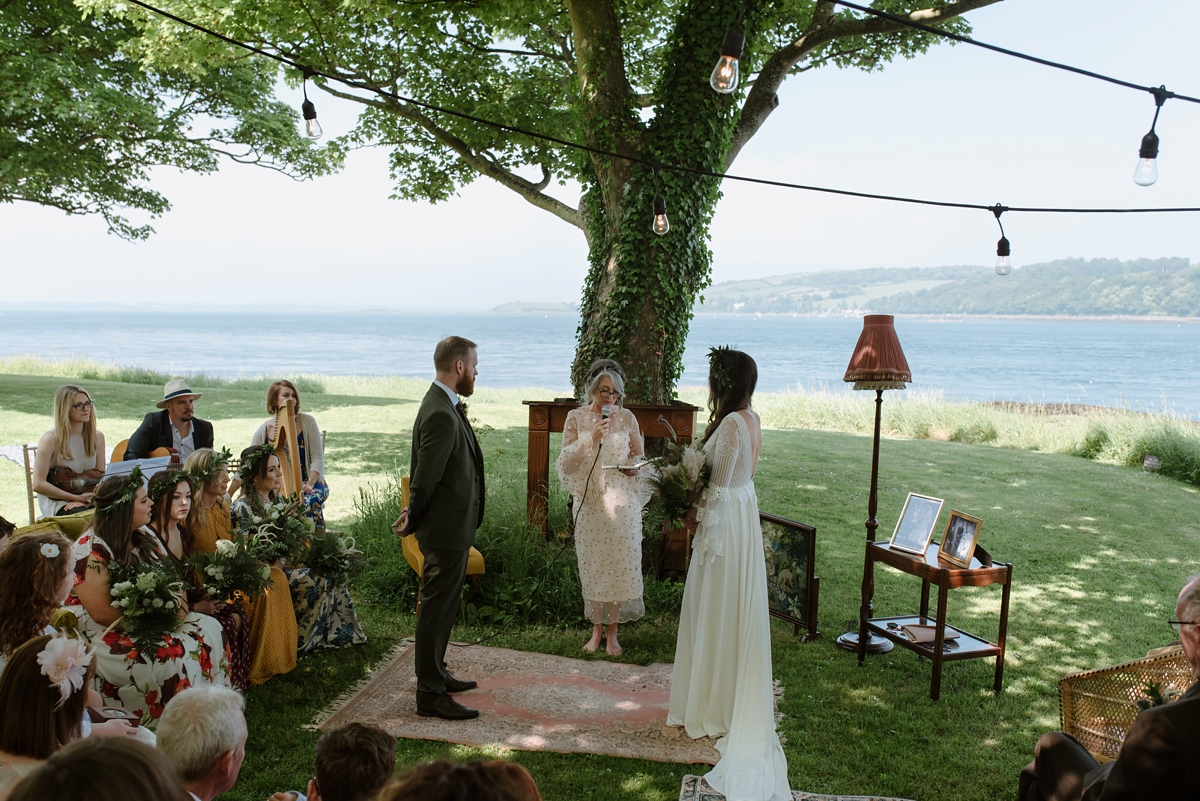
[287, 449]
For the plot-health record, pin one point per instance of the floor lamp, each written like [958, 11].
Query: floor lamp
[878, 363]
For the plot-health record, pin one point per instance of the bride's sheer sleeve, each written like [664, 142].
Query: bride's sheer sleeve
[729, 444]
[577, 454]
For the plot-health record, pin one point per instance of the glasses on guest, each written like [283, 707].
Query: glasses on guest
[1177, 625]
[608, 393]
[79, 407]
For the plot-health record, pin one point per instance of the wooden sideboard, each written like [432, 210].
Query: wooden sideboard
[548, 417]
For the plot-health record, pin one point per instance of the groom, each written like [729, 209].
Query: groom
[445, 507]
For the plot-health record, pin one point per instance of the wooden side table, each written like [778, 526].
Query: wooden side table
[946, 576]
[549, 417]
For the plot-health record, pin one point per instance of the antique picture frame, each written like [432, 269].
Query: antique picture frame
[959, 538]
[914, 529]
[792, 587]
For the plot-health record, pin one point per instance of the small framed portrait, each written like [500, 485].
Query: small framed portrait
[960, 538]
[915, 528]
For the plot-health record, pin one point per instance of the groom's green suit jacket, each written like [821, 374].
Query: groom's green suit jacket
[446, 491]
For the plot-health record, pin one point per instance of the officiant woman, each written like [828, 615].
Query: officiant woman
[606, 502]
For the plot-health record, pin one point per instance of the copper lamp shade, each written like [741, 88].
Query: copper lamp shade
[878, 361]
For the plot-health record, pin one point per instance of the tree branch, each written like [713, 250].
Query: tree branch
[532, 192]
[824, 28]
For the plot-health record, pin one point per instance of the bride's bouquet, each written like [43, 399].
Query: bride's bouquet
[679, 478]
[149, 596]
[281, 532]
[233, 568]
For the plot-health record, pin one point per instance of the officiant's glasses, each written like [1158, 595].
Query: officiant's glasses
[608, 393]
[1179, 624]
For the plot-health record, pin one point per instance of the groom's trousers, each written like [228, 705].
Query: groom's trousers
[441, 589]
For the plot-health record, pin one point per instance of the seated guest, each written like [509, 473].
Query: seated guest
[6, 530]
[70, 458]
[43, 696]
[493, 780]
[1159, 756]
[325, 616]
[210, 503]
[308, 441]
[36, 576]
[108, 769]
[353, 763]
[175, 428]
[203, 734]
[273, 636]
[170, 519]
[142, 681]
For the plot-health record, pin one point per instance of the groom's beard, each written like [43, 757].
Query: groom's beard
[465, 386]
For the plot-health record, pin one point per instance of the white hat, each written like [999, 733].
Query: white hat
[175, 389]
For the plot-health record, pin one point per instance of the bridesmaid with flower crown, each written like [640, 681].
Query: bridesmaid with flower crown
[141, 680]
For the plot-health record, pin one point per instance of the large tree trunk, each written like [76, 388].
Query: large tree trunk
[641, 288]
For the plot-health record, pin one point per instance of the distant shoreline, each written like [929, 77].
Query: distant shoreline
[1113, 318]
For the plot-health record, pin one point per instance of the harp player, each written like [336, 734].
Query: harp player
[310, 444]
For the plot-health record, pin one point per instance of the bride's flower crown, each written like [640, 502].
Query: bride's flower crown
[64, 661]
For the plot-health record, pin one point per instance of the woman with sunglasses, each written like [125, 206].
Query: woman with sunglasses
[607, 503]
[70, 458]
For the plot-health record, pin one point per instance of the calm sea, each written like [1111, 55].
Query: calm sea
[1147, 366]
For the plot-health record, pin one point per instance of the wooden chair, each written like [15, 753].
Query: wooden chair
[30, 452]
[1097, 707]
[416, 559]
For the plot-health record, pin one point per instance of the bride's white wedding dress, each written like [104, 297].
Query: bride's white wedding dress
[721, 685]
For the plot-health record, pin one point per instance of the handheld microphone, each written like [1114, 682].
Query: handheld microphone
[605, 411]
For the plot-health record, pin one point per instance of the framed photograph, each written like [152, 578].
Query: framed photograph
[915, 527]
[960, 538]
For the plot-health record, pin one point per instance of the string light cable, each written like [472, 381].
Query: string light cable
[657, 166]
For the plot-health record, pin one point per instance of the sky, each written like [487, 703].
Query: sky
[958, 123]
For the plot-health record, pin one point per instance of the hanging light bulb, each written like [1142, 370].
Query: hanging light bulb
[1003, 262]
[724, 78]
[1146, 172]
[312, 128]
[661, 224]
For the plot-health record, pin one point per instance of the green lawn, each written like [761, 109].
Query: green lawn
[1099, 553]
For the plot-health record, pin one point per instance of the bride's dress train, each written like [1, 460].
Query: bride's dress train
[721, 685]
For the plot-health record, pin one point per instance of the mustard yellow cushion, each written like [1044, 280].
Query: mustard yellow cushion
[416, 559]
[72, 526]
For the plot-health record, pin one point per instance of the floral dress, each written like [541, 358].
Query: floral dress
[608, 534]
[142, 681]
[232, 617]
[324, 613]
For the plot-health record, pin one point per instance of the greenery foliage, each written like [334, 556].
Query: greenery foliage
[233, 568]
[149, 596]
[86, 111]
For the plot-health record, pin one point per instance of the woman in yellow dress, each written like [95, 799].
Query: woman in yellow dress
[272, 621]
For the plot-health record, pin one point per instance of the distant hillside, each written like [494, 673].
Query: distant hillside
[1067, 287]
[530, 307]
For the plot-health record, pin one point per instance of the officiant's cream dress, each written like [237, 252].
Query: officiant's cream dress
[721, 686]
[608, 534]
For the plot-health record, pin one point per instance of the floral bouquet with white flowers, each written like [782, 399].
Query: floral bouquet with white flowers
[680, 477]
[281, 531]
[332, 555]
[233, 568]
[149, 596]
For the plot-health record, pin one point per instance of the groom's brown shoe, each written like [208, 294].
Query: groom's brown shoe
[454, 685]
[441, 705]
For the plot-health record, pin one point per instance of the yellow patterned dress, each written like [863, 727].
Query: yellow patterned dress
[272, 621]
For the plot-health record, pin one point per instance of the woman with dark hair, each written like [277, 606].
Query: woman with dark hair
[172, 517]
[43, 696]
[324, 613]
[141, 680]
[607, 503]
[479, 780]
[309, 441]
[721, 685]
[103, 770]
[272, 618]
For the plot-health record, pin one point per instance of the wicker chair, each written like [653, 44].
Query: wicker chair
[1097, 707]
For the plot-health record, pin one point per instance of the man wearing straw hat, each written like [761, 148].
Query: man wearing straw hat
[176, 427]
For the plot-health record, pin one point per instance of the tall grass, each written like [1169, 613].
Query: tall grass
[94, 371]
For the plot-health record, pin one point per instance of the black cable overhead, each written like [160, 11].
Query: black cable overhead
[657, 166]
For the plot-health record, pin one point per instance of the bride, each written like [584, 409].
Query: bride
[721, 685]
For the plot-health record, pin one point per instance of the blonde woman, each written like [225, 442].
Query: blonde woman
[309, 442]
[74, 444]
[210, 504]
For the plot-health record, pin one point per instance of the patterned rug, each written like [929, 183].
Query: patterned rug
[533, 702]
[696, 789]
